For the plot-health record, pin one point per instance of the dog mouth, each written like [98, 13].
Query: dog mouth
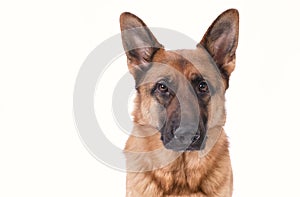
[184, 140]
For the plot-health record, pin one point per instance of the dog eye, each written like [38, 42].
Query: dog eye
[162, 87]
[203, 87]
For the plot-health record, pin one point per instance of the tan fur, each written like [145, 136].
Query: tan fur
[204, 174]
[189, 175]
[153, 170]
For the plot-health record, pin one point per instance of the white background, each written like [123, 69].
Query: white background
[43, 44]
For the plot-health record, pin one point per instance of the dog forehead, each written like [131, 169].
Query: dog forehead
[198, 60]
[186, 62]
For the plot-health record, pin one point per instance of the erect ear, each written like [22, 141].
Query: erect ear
[139, 43]
[221, 40]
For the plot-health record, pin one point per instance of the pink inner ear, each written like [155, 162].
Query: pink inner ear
[220, 48]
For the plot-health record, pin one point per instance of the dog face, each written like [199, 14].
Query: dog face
[181, 93]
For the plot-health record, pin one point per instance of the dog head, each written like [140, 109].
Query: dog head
[181, 92]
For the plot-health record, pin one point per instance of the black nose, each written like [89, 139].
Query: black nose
[186, 139]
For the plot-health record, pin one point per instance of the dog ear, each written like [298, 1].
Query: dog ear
[139, 43]
[221, 40]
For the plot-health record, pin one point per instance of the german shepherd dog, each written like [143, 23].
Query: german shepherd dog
[178, 146]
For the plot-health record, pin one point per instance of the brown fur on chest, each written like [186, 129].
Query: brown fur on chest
[190, 173]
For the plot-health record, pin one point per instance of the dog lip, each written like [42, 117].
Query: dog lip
[184, 148]
[195, 138]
